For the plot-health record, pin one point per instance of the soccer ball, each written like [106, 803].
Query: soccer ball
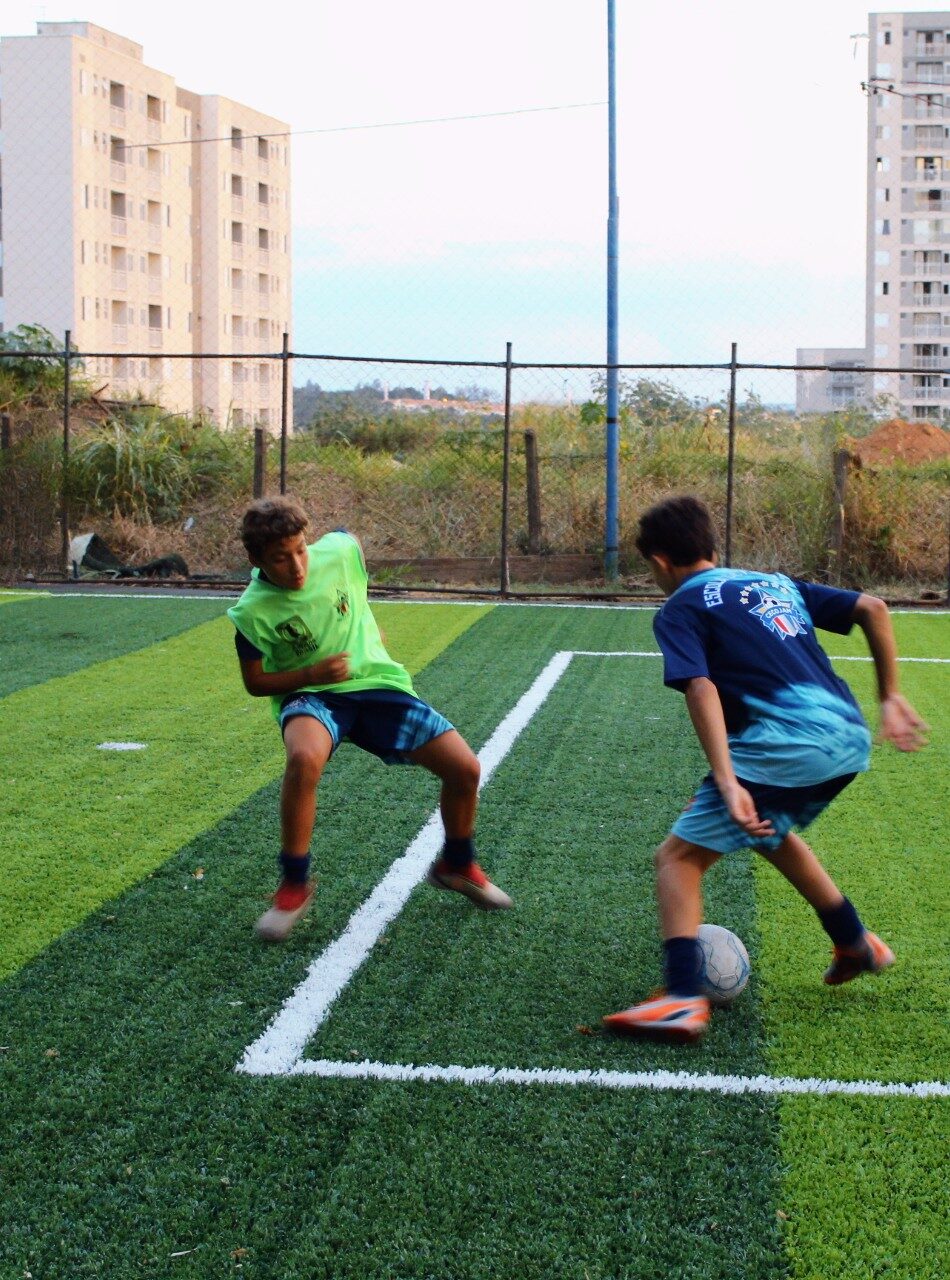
[725, 963]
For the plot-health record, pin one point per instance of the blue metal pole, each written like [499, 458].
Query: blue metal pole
[611, 529]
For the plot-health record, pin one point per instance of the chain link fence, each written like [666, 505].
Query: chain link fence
[461, 475]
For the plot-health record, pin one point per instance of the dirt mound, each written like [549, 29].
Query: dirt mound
[900, 441]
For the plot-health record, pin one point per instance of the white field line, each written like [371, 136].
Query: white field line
[279, 1048]
[684, 1081]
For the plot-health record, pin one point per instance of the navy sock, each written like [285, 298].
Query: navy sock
[295, 868]
[458, 851]
[842, 924]
[683, 962]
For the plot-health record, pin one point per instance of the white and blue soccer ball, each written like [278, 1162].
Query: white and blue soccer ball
[725, 963]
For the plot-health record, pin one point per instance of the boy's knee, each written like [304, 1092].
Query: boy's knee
[305, 763]
[468, 774]
[675, 851]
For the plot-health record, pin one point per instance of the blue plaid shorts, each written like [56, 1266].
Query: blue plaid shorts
[386, 722]
[705, 820]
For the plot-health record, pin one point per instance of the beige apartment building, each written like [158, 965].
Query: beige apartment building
[908, 209]
[151, 222]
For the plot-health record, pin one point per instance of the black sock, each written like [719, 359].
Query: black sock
[458, 851]
[294, 867]
[842, 924]
[683, 962]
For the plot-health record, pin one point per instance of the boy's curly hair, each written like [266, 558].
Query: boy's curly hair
[680, 528]
[268, 520]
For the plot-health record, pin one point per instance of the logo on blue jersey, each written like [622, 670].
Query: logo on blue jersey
[777, 609]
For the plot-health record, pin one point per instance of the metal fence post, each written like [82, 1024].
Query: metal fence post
[63, 492]
[284, 401]
[731, 462]
[505, 468]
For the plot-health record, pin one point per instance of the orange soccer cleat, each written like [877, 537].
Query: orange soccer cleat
[291, 903]
[681, 1019]
[871, 955]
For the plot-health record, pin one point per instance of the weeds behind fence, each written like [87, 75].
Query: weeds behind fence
[419, 476]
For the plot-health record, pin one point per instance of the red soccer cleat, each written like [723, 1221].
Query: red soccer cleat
[470, 881]
[291, 903]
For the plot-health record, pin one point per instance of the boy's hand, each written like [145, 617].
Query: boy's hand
[901, 724]
[332, 670]
[742, 810]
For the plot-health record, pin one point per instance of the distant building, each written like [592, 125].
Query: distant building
[908, 242]
[842, 386]
[147, 220]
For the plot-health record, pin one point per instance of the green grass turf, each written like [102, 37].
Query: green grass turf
[884, 841]
[137, 1140]
[79, 824]
[42, 637]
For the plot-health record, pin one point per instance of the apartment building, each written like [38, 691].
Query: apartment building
[908, 209]
[842, 385]
[150, 221]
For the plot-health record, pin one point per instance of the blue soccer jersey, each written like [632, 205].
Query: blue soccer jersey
[791, 721]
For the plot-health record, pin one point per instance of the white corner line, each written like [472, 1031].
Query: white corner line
[680, 1081]
[280, 1046]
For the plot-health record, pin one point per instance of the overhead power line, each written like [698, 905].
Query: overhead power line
[387, 124]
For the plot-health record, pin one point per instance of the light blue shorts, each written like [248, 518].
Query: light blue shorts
[705, 820]
[386, 722]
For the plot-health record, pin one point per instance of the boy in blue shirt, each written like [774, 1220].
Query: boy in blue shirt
[783, 736]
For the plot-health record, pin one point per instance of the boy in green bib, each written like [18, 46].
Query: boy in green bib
[307, 639]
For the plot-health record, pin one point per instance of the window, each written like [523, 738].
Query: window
[887, 37]
[881, 320]
[885, 288]
[237, 139]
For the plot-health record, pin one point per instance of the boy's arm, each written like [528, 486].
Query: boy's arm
[705, 711]
[900, 723]
[260, 683]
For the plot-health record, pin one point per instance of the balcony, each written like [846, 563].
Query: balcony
[933, 175]
[237, 341]
[154, 283]
[154, 233]
[920, 202]
[926, 330]
[937, 268]
[154, 337]
[117, 116]
[931, 362]
[263, 212]
[120, 333]
[916, 110]
[237, 205]
[927, 75]
[925, 393]
[263, 257]
[153, 180]
[237, 298]
[237, 249]
[263, 301]
[153, 129]
[119, 226]
[924, 235]
[117, 171]
[930, 49]
[263, 165]
[120, 280]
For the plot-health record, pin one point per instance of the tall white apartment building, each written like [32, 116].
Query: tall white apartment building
[908, 209]
[147, 220]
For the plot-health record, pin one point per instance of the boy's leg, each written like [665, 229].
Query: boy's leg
[681, 1012]
[856, 950]
[308, 745]
[455, 764]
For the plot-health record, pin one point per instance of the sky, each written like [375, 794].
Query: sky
[741, 167]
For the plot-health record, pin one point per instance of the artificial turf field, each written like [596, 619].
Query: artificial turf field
[132, 987]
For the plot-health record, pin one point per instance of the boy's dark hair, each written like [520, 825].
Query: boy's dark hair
[680, 528]
[268, 520]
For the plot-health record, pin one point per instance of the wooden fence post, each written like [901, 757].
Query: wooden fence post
[842, 464]
[534, 492]
[260, 453]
